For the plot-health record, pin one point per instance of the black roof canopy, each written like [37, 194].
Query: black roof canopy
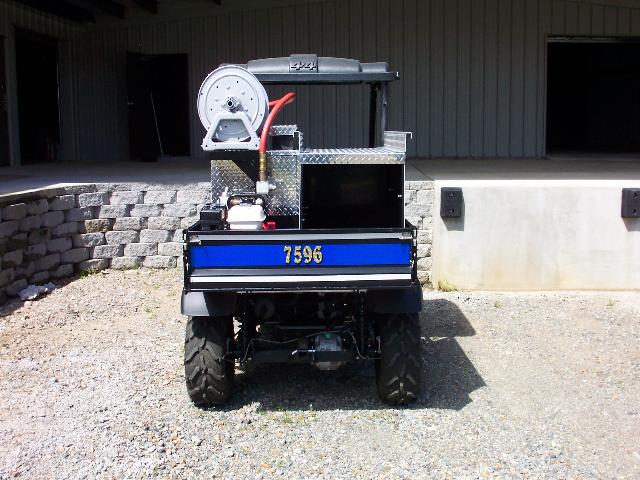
[309, 69]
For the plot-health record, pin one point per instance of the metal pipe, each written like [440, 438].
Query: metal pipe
[262, 167]
[155, 118]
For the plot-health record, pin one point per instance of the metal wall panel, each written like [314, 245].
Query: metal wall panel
[473, 71]
[436, 61]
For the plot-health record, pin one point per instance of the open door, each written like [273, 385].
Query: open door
[158, 97]
[4, 120]
[38, 96]
[593, 99]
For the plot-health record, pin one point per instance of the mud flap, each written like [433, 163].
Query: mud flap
[401, 300]
[208, 304]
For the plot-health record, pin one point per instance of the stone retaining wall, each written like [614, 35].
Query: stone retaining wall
[418, 201]
[58, 232]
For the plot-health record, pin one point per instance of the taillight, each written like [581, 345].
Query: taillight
[268, 225]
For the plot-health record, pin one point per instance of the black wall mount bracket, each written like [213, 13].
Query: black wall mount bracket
[630, 203]
[451, 202]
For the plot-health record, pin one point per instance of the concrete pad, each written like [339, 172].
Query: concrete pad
[585, 167]
[181, 172]
[174, 172]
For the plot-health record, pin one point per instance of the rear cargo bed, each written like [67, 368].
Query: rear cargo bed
[294, 260]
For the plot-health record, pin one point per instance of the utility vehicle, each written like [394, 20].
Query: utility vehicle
[307, 250]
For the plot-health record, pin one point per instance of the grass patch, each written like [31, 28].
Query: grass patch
[445, 286]
[88, 272]
[130, 268]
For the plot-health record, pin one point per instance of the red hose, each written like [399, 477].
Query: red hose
[273, 103]
[275, 106]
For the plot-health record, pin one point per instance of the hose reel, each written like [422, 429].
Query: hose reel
[233, 106]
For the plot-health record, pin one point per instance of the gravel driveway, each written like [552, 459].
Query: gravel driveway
[517, 385]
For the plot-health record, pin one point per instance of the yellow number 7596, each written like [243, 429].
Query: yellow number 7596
[302, 253]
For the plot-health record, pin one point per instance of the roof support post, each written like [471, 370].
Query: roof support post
[373, 107]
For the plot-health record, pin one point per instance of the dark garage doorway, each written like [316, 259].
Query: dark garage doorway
[593, 96]
[38, 99]
[4, 119]
[158, 91]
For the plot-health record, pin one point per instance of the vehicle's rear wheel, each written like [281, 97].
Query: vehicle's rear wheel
[208, 373]
[399, 369]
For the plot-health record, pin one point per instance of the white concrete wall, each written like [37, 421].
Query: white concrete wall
[537, 235]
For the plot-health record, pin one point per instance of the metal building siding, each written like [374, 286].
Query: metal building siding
[473, 71]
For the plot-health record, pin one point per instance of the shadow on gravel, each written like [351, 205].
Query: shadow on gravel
[10, 306]
[449, 376]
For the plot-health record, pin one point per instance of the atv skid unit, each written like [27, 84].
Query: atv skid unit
[304, 255]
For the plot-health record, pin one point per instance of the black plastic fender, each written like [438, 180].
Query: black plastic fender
[401, 300]
[208, 304]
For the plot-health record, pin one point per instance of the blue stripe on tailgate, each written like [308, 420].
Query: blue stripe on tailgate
[333, 255]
